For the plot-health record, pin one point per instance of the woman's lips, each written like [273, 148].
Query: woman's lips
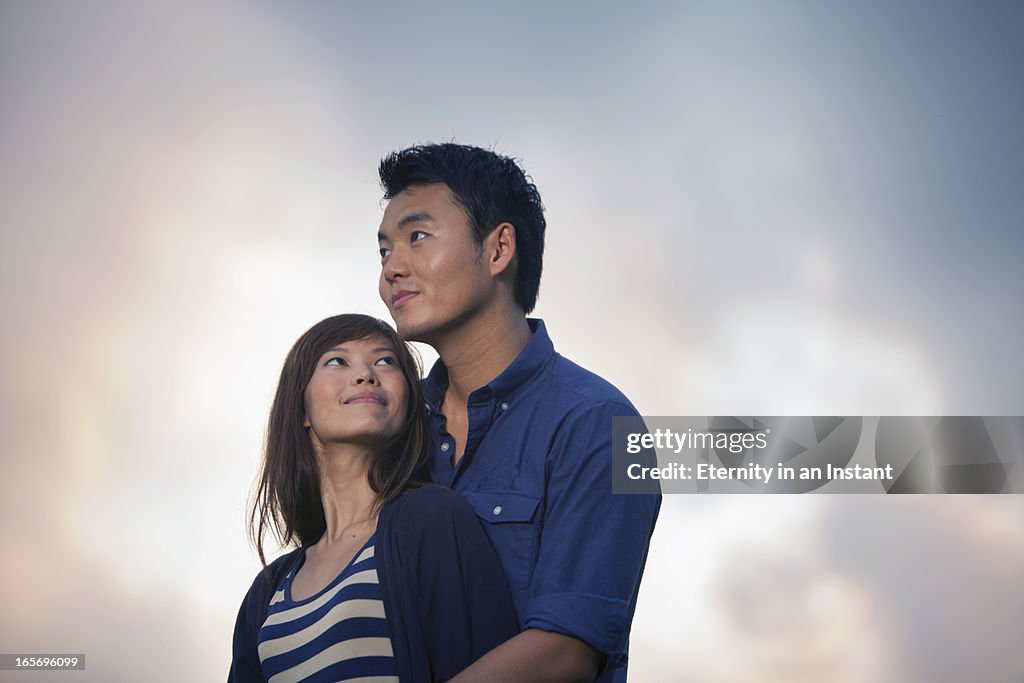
[366, 397]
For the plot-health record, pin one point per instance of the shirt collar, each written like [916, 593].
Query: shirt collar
[534, 356]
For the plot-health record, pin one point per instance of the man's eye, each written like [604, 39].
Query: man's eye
[387, 360]
[384, 251]
[335, 361]
[416, 235]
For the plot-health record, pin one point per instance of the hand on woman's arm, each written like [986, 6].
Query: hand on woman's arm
[535, 656]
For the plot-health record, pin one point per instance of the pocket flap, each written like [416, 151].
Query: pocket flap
[497, 507]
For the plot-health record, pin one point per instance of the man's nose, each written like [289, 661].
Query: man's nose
[395, 265]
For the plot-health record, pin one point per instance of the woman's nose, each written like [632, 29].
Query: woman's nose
[366, 376]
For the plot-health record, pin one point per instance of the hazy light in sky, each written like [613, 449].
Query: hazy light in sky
[751, 209]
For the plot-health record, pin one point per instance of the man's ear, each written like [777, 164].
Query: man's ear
[500, 248]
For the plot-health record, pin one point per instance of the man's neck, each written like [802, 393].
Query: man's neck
[481, 351]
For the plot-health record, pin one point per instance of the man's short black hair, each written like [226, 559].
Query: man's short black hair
[492, 189]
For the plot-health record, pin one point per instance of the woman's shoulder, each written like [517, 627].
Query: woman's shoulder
[431, 501]
[429, 510]
[429, 533]
[282, 563]
[267, 579]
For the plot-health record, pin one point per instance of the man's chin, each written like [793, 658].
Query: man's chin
[412, 332]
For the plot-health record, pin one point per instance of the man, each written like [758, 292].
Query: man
[522, 433]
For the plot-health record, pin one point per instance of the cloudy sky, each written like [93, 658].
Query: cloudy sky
[753, 208]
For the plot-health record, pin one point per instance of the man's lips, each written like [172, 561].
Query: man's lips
[401, 297]
[366, 397]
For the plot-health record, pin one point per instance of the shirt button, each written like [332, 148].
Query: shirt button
[504, 406]
[444, 446]
[496, 510]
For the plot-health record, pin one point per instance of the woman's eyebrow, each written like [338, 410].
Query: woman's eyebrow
[344, 349]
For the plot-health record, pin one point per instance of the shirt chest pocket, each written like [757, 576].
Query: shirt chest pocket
[511, 521]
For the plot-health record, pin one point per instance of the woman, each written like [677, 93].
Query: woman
[380, 557]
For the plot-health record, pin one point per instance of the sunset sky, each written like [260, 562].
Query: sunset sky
[753, 209]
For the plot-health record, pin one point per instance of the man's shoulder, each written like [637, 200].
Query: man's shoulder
[586, 390]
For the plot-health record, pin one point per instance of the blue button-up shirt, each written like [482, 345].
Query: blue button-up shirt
[537, 469]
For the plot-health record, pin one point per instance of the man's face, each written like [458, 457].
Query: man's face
[433, 276]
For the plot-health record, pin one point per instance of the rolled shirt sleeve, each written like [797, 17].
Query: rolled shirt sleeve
[594, 544]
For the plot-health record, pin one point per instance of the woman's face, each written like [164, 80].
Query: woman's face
[357, 393]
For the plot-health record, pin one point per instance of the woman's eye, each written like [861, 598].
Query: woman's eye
[335, 361]
[386, 361]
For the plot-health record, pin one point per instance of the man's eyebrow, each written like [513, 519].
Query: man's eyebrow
[418, 217]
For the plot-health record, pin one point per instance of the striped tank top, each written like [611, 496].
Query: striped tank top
[339, 634]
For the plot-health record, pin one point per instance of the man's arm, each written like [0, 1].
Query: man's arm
[535, 656]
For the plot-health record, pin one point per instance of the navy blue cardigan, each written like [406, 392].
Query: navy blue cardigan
[445, 595]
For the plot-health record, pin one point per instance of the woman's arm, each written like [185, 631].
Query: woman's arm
[245, 658]
[461, 599]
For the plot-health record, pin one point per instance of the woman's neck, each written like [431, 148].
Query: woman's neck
[345, 491]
